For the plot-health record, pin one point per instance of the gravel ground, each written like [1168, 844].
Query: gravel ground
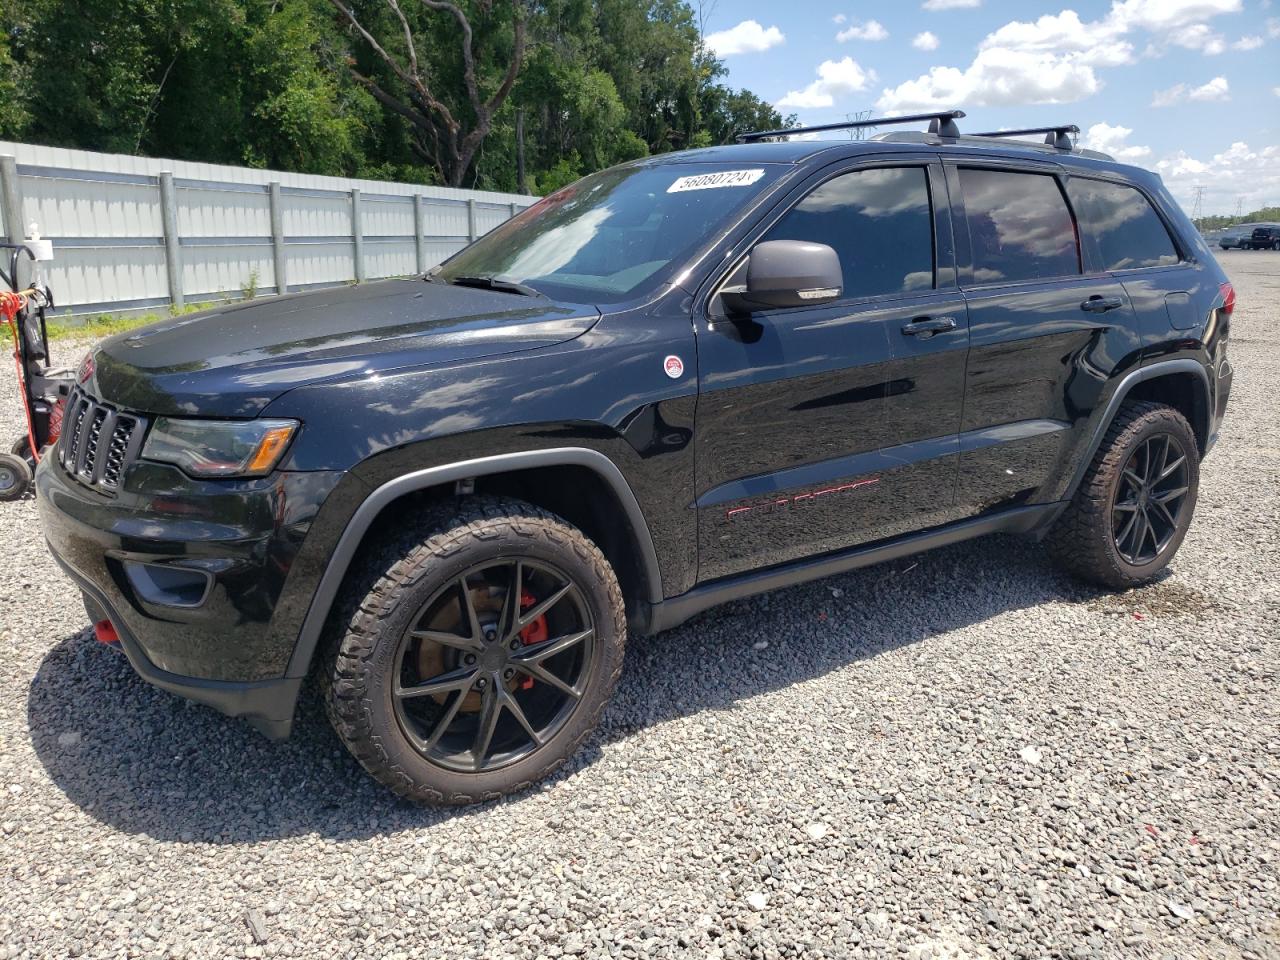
[963, 755]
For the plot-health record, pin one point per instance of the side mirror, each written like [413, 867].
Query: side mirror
[784, 273]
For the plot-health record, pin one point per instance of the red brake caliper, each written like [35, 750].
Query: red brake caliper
[535, 632]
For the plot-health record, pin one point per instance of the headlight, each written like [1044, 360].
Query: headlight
[219, 448]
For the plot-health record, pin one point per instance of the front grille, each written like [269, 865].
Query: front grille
[98, 441]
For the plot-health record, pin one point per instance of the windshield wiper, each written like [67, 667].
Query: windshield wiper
[493, 283]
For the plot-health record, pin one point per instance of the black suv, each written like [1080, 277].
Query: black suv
[1263, 238]
[679, 381]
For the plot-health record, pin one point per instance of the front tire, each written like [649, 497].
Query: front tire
[480, 654]
[1134, 506]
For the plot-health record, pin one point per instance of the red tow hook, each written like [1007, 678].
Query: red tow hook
[105, 632]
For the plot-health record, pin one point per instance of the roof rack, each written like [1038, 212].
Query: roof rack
[942, 124]
[1057, 137]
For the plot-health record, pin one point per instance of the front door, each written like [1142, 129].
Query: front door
[803, 412]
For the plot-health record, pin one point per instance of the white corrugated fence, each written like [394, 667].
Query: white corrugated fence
[135, 233]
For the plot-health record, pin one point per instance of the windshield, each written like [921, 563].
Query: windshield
[615, 235]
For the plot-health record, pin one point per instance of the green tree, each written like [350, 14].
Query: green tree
[445, 70]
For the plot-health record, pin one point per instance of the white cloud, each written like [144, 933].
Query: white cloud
[871, 30]
[1097, 42]
[1248, 43]
[1273, 27]
[950, 4]
[1113, 140]
[747, 37]
[925, 41]
[835, 78]
[1160, 15]
[1239, 173]
[1215, 89]
[1054, 59]
[997, 77]
[1198, 36]
[1276, 91]
[838, 19]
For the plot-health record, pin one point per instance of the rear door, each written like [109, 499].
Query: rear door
[1045, 332]
[1123, 235]
[797, 404]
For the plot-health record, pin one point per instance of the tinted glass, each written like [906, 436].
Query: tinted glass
[1019, 226]
[616, 234]
[879, 223]
[1118, 224]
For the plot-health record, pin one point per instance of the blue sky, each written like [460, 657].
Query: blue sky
[1190, 88]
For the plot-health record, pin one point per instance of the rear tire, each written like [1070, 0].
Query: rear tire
[477, 653]
[15, 476]
[1134, 506]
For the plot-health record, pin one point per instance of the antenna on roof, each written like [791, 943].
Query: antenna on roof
[1060, 137]
[942, 124]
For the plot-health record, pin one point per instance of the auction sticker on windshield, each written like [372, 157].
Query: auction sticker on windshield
[709, 181]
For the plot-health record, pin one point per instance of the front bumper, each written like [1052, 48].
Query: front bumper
[195, 576]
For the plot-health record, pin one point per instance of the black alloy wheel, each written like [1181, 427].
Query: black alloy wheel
[475, 650]
[493, 665]
[1152, 491]
[1131, 512]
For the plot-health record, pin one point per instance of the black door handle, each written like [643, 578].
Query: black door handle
[1098, 304]
[926, 327]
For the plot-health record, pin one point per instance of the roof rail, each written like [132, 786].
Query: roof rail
[943, 124]
[1057, 137]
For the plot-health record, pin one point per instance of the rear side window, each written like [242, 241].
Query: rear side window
[878, 221]
[1119, 226]
[1019, 226]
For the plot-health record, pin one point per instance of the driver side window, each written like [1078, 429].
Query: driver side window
[880, 224]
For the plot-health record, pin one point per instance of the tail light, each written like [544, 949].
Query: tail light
[1228, 293]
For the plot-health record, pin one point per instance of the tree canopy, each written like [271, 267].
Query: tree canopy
[304, 85]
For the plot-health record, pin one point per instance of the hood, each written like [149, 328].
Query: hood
[232, 361]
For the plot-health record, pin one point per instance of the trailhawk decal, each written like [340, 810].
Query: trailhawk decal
[710, 181]
[799, 500]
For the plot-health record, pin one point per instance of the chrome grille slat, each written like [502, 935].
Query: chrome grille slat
[99, 441]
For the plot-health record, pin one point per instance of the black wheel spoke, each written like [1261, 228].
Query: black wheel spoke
[1164, 513]
[1126, 507]
[517, 711]
[1155, 462]
[443, 722]
[475, 631]
[1165, 496]
[490, 710]
[510, 614]
[538, 652]
[541, 608]
[453, 680]
[1123, 536]
[541, 673]
[471, 644]
[1132, 479]
[1170, 468]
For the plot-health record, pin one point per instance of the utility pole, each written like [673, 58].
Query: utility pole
[1197, 208]
[859, 116]
[1239, 207]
